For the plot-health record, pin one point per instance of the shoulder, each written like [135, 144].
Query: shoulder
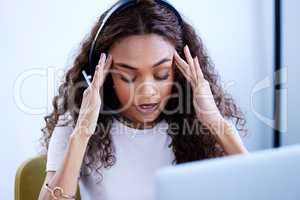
[65, 119]
[64, 125]
[61, 132]
[58, 143]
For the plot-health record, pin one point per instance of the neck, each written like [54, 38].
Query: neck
[137, 125]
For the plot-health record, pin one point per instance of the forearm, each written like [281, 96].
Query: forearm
[67, 175]
[227, 138]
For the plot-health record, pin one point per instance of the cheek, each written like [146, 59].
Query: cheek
[123, 90]
[165, 90]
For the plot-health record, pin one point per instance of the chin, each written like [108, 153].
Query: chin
[149, 118]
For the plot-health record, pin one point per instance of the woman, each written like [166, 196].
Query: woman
[154, 100]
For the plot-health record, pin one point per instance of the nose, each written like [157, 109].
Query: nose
[147, 89]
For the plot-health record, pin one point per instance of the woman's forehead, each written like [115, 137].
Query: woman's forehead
[143, 50]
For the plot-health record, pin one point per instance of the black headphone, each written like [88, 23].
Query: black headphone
[117, 7]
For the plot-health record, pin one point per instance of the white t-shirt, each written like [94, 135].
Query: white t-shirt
[139, 153]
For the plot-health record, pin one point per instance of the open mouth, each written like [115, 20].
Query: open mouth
[147, 108]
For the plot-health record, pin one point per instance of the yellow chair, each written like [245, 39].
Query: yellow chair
[30, 177]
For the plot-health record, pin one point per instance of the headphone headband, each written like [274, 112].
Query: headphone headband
[117, 7]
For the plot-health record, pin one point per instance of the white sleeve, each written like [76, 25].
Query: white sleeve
[57, 146]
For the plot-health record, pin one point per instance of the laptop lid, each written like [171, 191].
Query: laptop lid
[269, 174]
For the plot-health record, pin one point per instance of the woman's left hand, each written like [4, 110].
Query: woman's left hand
[205, 107]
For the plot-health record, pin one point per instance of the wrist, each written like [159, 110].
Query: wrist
[225, 135]
[221, 129]
[81, 135]
[58, 192]
[217, 126]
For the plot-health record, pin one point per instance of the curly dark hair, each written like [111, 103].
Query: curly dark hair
[147, 17]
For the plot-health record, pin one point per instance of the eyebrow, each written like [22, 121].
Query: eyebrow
[133, 68]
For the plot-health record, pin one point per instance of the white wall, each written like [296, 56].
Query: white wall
[291, 49]
[35, 36]
[40, 38]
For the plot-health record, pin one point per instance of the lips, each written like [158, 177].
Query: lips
[147, 108]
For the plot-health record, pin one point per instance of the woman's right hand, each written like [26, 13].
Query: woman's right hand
[91, 101]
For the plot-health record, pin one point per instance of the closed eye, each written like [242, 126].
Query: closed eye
[127, 80]
[165, 77]
[130, 80]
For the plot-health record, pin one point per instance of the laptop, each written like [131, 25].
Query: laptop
[272, 174]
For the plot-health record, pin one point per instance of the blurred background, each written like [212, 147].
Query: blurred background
[39, 40]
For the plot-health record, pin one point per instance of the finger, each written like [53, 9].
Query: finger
[194, 73]
[105, 70]
[198, 68]
[97, 74]
[180, 61]
[183, 72]
[108, 64]
[96, 77]
[184, 69]
[190, 60]
[186, 75]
